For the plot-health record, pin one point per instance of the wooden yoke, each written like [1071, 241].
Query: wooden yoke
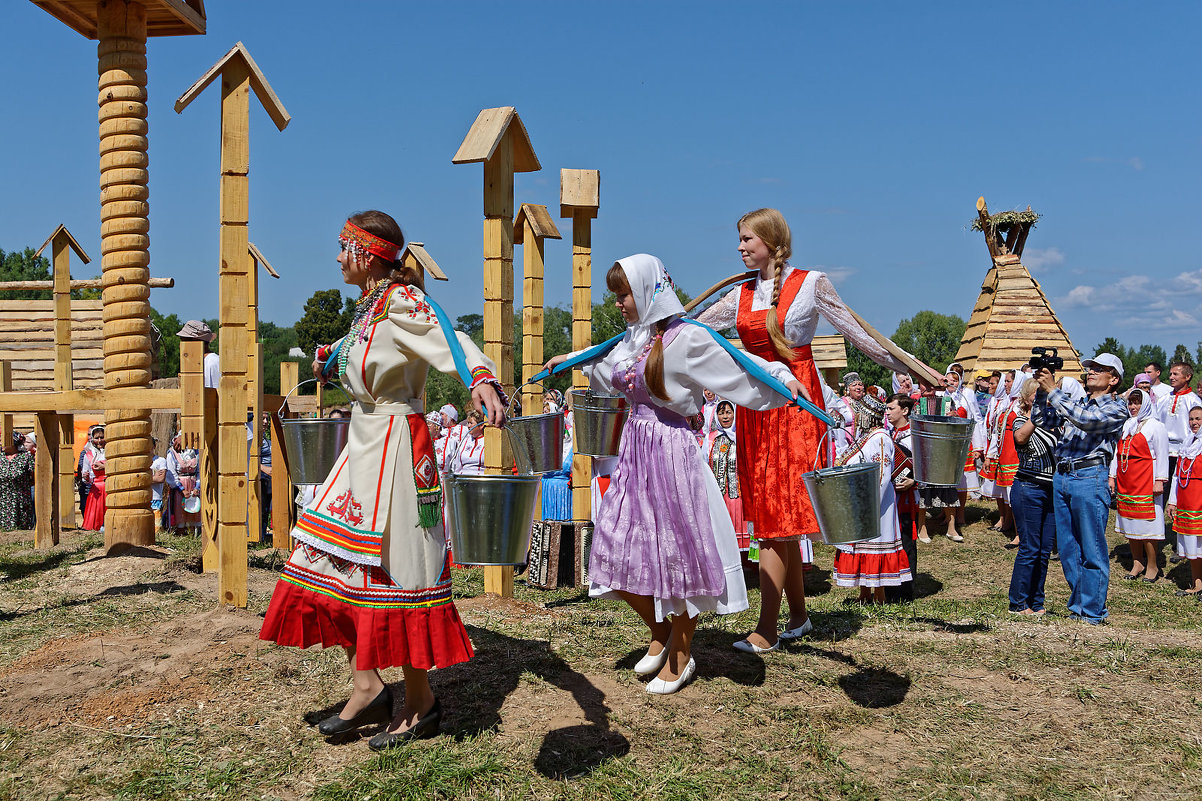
[532, 225]
[579, 200]
[499, 140]
[239, 75]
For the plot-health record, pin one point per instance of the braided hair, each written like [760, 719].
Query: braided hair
[770, 226]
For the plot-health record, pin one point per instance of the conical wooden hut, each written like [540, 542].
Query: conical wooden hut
[1012, 314]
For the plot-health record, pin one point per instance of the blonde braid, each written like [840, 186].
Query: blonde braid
[780, 343]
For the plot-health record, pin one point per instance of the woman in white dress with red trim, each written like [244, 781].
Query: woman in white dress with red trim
[1138, 474]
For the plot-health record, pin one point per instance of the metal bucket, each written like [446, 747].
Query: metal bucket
[941, 444]
[847, 502]
[490, 517]
[313, 446]
[537, 442]
[597, 421]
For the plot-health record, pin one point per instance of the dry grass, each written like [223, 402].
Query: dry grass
[120, 679]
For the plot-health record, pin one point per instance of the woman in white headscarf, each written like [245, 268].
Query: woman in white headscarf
[1008, 458]
[719, 447]
[994, 420]
[1184, 508]
[1138, 473]
[663, 540]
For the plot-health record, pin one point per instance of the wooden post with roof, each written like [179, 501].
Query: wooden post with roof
[532, 225]
[121, 28]
[239, 76]
[254, 388]
[579, 200]
[1012, 314]
[499, 140]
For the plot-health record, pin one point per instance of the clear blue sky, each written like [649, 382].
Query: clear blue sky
[873, 127]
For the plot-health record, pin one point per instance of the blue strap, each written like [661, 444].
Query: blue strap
[595, 352]
[457, 354]
[332, 359]
[760, 374]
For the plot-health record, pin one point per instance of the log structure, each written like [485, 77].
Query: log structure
[579, 200]
[239, 75]
[1012, 314]
[532, 225]
[499, 140]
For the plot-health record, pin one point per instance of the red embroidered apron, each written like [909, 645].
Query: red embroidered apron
[1189, 497]
[1133, 478]
[776, 446]
[1007, 463]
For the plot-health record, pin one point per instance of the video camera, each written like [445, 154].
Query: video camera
[1045, 358]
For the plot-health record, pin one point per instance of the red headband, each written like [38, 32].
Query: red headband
[357, 238]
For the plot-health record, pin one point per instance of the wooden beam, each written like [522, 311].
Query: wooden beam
[987, 228]
[79, 283]
[238, 55]
[281, 484]
[88, 400]
[6, 395]
[46, 482]
[62, 233]
[582, 337]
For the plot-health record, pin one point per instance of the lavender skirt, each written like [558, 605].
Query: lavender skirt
[662, 529]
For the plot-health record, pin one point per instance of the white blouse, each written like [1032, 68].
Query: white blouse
[816, 295]
[468, 457]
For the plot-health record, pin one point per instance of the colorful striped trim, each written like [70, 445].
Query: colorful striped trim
[383, 598]
[1188, 522]
[1136, 507]
[336, 533]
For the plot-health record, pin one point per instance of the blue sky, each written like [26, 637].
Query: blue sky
[874, 127]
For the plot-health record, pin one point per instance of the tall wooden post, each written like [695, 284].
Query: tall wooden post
[254, 377]
[6, 420]
[281, 484]
[579, 200]
[239, 75]
[532, 225]
[198, 424]
[62, 243]
[47, 500]
[498, 139]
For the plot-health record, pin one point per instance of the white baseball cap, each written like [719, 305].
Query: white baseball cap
[1105, 360]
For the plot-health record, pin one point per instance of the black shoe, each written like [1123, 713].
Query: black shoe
[1130, 576]
[1184, 593]
[426, 727]
[1175, 558]
[378, 711]
[1153, 580]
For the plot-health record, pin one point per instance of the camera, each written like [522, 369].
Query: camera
[1042, 358]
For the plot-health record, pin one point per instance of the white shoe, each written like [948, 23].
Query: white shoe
[798, 632]
[661, 687]
[747, 646]
[651, 664]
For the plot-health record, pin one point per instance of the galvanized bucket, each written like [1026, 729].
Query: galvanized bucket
[941, 444]
[312, 446]
[597, 422]
[490, 517]
[847, 502]
[537, 442]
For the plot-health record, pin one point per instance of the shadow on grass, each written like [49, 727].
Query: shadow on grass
[875, 688]
[19, 568]
[926, 585]
[141, 588]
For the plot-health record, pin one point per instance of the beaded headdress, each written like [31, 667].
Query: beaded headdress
[360, 243]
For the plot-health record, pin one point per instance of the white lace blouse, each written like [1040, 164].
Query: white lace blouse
[817, 295]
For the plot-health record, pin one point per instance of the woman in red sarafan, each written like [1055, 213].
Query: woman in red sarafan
[371, 571]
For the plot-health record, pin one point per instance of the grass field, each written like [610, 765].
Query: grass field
[120, 678]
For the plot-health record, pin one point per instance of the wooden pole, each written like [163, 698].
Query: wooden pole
[498, 314]
[532, 314]
[61, 251]
[254, 391]
[6, 386]
[582, 337]
[199, 433]
[46, 482]
[78, 283]
[281, 484]
[125, 266]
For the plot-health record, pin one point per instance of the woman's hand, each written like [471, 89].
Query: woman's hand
[319, 372]
[485, 396]
[1158, 487]
[555, 361]
[797, 389]
[1112, 486]
[1170, 512]
[904, 485]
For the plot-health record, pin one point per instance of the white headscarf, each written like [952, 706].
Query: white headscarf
[1072, 387]
[730, 432]
[450, 412]
[1192, 447]
[654, 298]
[1020, 378]
[1146, 407]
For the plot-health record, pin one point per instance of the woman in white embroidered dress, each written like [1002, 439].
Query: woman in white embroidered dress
[371, 573]
[1139, 472]
[776, 315]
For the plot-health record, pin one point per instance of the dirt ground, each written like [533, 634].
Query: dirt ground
[121, 678]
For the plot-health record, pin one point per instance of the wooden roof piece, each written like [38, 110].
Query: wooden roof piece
[1011, 316]
[163, 17]
[257, 255]
[267, 96]
[70, 241]
[415, 254]
[830, 352]
[540, 222]
[487, 132]
[579, 190]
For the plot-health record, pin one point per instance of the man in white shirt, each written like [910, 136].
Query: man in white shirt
[1159, 389]
[1174, 409]
[194, 330]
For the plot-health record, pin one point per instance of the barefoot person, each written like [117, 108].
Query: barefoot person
[664, 541]
[776, 315]
[370, 572]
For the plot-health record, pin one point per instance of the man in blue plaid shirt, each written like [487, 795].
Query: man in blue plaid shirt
[1080, 495]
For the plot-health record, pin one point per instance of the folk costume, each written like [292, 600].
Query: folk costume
[1141, 457]
[183, 476]
[907, 509]
[720, 453]
[1007, 460]
[371, 570]
[1186, 495]
[662, 528]
[1173, 411]
[16, 483]
[881, 561]
[777, 446]
[93, 475]
[995, 420]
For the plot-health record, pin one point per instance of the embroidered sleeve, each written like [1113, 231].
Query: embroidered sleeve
[721, 314]
[830, 306]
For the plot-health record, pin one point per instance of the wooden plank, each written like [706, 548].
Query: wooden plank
[84, 400]
[66, 470]
[238, 62]
[484, 135]
[580, 189]
[78, 283]
[46, 482]
[6, 395]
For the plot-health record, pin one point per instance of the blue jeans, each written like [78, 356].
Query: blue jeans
[1081, 500]
[1036, 525]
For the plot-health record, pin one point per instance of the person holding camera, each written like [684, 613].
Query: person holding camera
[1080, 491]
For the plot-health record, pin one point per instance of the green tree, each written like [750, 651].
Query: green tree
[930, 337]
[25, 266]
[1182, 354]
[165, 344]
[325, 319]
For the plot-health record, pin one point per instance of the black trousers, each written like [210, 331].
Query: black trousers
[905, 592]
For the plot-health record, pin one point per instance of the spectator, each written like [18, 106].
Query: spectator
[1174, 408]
[1184, 509]
[1080, 496]
[552, 401]
[158, 483]
[183, 481]
[198, 330]
[1138, 474]
[898, 413]
[1159, 389]
[719, 448]
[468, 456]
[93, 475]
[265, 480]
[16, 481]
[1031, 499]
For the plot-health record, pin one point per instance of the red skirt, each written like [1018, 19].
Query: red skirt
[97, 504]
[323, 600]
[872, 564]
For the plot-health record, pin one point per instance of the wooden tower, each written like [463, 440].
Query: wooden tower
[1012, 314]
[121, 28]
